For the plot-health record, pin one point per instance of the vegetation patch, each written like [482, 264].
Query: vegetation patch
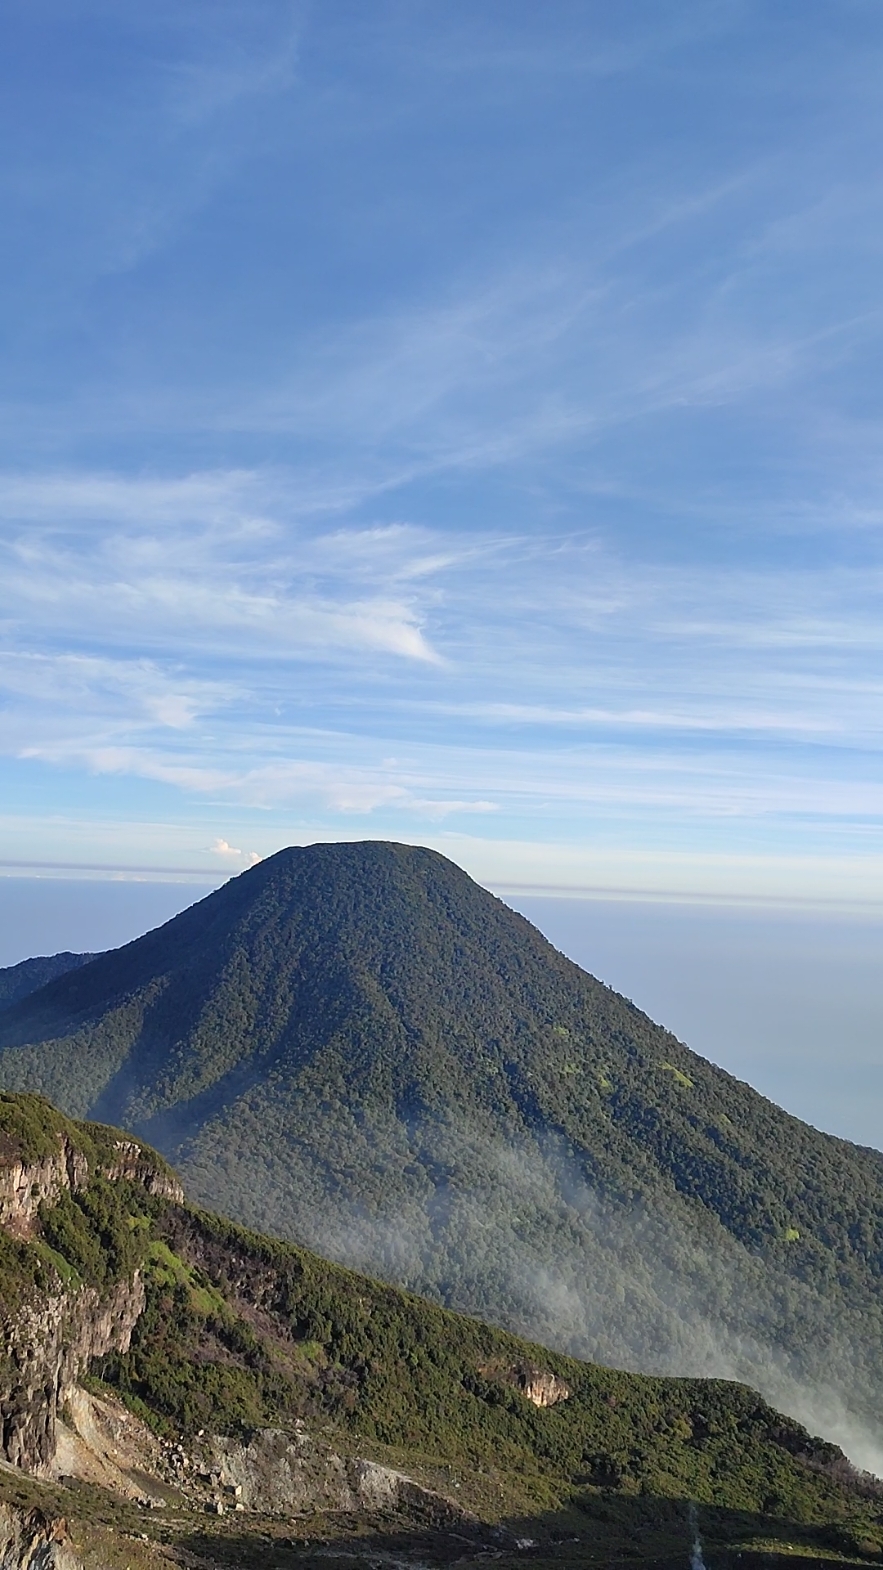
[678, 1075]
[241, 1332]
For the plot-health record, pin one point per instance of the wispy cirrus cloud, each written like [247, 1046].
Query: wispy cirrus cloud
[129, 690]
[307, 784]
[165, 564]
[229, 597]
[372, 455]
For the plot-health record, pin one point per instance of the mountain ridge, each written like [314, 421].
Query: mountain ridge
[358, 1047]
[29, 975]
[161, 1367]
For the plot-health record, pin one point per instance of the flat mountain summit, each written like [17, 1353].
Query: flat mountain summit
[357, 1047]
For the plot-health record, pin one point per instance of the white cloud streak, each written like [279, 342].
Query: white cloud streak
[562, 509]
[166, 564]
[177, 632]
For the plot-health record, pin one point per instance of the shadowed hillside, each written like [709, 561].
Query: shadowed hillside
[18, 981]
[358, 1047]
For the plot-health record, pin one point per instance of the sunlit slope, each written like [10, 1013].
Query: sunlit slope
[232, 1333]
[357, 1046]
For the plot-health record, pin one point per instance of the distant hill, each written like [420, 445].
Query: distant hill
[358, 1047]
[17, 981]
[377, 1427]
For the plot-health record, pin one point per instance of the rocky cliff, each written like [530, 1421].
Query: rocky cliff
[53, 1332]
[45, 1348]
[30, 1540]
[53, 1320]
[136, 1164]
[26, 1185]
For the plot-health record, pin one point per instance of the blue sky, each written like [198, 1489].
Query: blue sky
[451, 422]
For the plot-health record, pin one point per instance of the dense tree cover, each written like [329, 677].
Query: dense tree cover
[18, 981]
[357, 1047]
[241, 1330]
[387, 1366]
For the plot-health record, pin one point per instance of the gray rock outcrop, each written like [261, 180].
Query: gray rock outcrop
[33, 1541]
[49, 1338]
[277, 1473]
[44, 1350]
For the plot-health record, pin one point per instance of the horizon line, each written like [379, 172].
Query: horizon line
[608, 893]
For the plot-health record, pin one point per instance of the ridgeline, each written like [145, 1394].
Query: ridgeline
[174, 1388]
[357, 1047]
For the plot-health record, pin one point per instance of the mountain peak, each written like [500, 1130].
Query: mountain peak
[357, 1046]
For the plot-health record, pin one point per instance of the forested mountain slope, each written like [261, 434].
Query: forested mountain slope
[17, 981]
[358, 1047]
[164, 1355]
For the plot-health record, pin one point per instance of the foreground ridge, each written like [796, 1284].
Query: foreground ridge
[173, 1383]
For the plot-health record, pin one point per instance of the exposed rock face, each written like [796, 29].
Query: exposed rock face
[34, 1542]
[45, 1343]
[24, 1186]
[130, 1161]
[541, 1386]
[271, 1473]
[100, 1441]
[277, 1473]
[45, 1349]
[538, 1385]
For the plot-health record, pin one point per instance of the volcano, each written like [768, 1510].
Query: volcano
[357, 1047]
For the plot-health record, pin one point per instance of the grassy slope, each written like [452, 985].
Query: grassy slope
[241, 1330]
[359, 1047]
